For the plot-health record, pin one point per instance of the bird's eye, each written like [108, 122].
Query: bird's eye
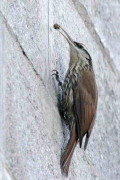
[78, 45]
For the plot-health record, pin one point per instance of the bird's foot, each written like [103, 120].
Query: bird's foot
[56, 74]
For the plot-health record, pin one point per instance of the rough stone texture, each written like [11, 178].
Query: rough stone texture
[31, 130]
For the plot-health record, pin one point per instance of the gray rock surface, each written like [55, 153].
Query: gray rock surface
[31, 133]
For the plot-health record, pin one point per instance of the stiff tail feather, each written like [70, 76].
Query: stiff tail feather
[66, 158]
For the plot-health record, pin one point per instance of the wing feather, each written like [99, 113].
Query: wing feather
[85, 104]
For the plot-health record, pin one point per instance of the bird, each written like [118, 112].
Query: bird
[79, 98]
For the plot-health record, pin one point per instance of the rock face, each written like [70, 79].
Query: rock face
[31, 128]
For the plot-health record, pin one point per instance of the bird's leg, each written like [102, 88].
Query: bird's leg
[56, 74]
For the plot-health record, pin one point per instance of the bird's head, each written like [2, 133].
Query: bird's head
[77, 47]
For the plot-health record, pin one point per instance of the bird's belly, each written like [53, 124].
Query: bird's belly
[67, 101]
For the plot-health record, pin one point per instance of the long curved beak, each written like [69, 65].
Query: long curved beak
[63, 32]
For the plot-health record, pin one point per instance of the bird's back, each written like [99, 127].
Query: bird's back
[80, 101]
[85, 103]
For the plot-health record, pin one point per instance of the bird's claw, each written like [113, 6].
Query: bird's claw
[56, 74]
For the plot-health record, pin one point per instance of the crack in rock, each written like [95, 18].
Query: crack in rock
[12, 33]
[22, 49]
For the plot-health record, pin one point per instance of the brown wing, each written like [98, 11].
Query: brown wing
[85, 105]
